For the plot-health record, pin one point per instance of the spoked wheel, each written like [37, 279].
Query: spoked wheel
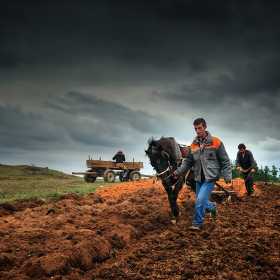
[135, 176]
[89, 178]
[109, 176]
[92, 179]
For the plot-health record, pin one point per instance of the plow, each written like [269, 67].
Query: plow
[222, 193]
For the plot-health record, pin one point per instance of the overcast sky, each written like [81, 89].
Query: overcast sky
[80, 78]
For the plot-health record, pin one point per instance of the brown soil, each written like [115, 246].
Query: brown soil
[124, 232]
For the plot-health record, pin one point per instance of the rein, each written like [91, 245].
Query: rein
[169, 168]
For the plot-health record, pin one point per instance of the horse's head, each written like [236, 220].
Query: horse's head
[162, 157]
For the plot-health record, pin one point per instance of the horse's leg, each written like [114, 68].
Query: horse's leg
[168, 190]
[172, 198]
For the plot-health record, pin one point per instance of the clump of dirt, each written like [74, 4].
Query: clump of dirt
[124, 232]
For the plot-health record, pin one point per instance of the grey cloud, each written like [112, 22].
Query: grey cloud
[172, 61]
[26, 130]
[244, 111]
[80, 31]
[89, 120]
[105, 112]
[12, 114]
[8, 61]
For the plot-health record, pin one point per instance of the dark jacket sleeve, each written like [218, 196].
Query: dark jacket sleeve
[225, 162]
[252, 160]
[237, 161]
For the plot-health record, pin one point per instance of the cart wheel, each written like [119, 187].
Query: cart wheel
[89, 178]
[92, 179]
[109, 176]
[135, 176]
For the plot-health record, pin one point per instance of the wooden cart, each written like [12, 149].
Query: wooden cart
[110, 169]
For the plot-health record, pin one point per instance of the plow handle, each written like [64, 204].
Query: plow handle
[225, 190]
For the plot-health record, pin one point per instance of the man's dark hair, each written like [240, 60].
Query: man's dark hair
[199, 121]
[241, 146]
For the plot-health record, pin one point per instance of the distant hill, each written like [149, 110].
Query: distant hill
[17, 171]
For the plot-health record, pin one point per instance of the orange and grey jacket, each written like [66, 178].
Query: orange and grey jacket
[209, 158]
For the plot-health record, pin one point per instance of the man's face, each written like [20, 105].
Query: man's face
[200, 130]
[242, 151]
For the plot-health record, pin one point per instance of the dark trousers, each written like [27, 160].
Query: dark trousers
[248, 178]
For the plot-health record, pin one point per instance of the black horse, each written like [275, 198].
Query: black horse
[165, 156]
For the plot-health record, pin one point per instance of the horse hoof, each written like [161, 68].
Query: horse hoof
[174, 219]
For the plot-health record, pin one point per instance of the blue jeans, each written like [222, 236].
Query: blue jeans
[202, 204]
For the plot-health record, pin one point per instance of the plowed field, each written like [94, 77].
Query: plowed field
[124, 232]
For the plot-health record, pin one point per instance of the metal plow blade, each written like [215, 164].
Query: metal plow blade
[224, 191]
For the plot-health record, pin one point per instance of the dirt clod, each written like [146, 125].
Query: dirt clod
[124, 232]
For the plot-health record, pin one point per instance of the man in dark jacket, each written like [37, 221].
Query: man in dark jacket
[119, 157]
[245, 162]
[209, 157]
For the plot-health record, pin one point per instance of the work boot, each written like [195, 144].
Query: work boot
[214, 214]
[194, 228]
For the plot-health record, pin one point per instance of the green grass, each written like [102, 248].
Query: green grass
[22, 182]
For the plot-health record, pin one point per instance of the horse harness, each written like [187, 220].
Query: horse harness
[169, 168]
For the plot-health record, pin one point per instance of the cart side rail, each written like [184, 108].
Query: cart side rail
[113, 165]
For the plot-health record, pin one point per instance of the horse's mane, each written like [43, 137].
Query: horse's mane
[167, 146]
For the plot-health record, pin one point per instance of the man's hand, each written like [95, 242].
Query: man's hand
[253, 170]
[175, 175]
[238, 168]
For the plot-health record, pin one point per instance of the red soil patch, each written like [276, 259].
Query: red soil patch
[124, 232]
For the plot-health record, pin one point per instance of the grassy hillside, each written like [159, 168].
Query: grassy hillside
[22, 182]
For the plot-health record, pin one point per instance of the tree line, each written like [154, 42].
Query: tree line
[263, 174]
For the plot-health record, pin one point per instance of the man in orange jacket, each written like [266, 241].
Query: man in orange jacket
[208, 156]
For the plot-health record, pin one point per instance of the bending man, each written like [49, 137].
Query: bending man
[245, 162]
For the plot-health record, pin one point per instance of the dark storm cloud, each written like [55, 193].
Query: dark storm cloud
[134, 42]
[257, 88]
[133, 69]
[102, 111]
[93, 121]
[25, 130]
[164, 34]
[84, 119]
